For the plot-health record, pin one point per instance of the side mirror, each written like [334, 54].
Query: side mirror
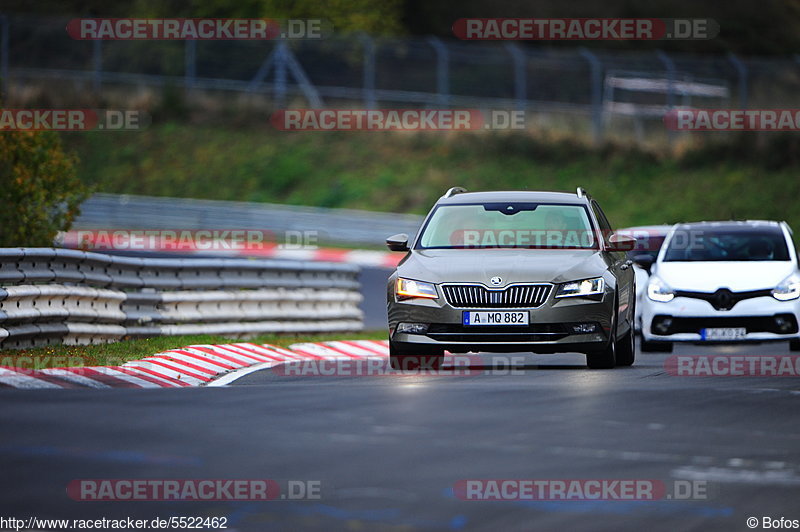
[398, 242]
[620, 242]
[644, 261]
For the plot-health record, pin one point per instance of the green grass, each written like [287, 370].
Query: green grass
[119, 352]
[715, 177]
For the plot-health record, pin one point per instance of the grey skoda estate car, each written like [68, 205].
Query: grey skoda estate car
[510, 272]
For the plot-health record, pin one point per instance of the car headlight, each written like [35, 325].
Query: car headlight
[586, 287]
[788, 289]
[658, 290]
[408, 288]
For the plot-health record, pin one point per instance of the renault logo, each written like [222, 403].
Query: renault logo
[496, 281]
[723, 299]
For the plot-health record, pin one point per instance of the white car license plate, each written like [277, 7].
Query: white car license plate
[732, 333]
[503, 317]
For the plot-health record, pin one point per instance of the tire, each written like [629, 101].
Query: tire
[607, 358]
[421, 359]
[794, 345]
[656, 346]
[626, 349]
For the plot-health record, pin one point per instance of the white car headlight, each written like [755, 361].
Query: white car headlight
[788, 289]
[408, 288]
[586, 287]
[658, 290]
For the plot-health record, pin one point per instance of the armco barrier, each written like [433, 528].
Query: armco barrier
[66, 296]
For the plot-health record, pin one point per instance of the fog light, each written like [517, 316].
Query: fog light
[584, 328]
[784, 325]
[661, 324]
[413, 328]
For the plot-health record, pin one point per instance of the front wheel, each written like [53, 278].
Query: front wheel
[626, 349]
[607, 358]
[414, 359]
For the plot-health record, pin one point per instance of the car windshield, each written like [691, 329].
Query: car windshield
[698, 244]
[508, 225]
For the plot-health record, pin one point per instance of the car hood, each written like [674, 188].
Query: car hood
[736, 276]
[511, 265]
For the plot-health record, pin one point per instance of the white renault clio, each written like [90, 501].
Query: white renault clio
[722, 282]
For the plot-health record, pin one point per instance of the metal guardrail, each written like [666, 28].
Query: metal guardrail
[344, 226]
[52, 296]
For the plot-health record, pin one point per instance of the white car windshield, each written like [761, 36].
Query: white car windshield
[700, 245]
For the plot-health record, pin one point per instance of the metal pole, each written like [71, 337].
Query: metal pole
[520, 79]
[596, 68]
[97, 61]
[190, 68]
[442, 71]
[4, 57]
[669, 64]
[741, 70]
[369, 72]
[280, 76]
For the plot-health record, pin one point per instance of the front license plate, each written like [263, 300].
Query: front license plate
[732, 333]
[470, 318]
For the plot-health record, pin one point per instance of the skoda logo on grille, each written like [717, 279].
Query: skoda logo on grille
[496, 281]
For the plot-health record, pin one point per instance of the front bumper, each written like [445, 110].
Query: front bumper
[682, 319]
[549, 330]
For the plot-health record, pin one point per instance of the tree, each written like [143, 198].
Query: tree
[39, 189]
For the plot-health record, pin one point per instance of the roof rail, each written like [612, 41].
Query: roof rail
[453, 191]
[581, 192]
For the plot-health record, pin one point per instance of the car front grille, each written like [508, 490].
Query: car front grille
[537, 332]
[723, 299]
[514, 296]
[778, 324]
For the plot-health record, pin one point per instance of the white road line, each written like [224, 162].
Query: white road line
[239, 373]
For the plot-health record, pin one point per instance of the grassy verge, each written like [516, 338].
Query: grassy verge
[713, 176]
[120, 352]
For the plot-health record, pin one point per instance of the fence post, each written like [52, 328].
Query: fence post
[369, 71]
[280, 76]
[669, 65]
[442, 71]
[741, 70]
[520, 78]
[97, 63]
[4, 57]
[190, 63]
[596, 68]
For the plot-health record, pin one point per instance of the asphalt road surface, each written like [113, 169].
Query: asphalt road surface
[389, 449]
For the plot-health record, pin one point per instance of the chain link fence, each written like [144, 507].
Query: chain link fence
[573, 87]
